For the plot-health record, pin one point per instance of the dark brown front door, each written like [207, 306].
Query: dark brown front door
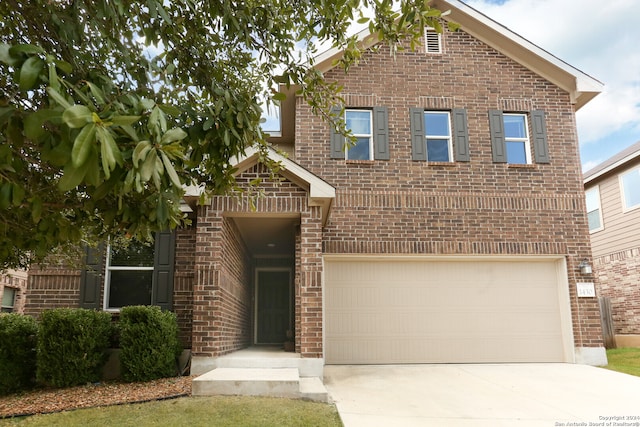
[273, 306]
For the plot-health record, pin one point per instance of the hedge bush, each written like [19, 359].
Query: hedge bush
[18, 337]
[72, 344]
[149, 343]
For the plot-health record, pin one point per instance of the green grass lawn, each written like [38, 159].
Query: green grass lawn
[195, 411]
[626, 360]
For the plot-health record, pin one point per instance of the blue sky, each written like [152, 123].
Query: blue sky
[601, 39]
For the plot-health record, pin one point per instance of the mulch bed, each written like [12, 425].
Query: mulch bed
[42, 401]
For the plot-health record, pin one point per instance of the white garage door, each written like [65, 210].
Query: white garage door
[445, 311]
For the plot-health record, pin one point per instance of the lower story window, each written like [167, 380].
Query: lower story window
[8, 300]
[129, 278]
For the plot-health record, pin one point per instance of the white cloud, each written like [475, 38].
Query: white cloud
[600, 39]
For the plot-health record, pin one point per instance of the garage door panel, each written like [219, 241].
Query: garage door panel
[388, 311]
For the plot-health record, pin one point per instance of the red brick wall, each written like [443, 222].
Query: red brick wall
[52, 288]
[477, 207]
[183, 280]
[619, 279]
[219, 258]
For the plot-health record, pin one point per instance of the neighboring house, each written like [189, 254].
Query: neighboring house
[613, 205]
[451, 232]
[13, 286]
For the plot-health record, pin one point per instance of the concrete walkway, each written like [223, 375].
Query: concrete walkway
[483, 395]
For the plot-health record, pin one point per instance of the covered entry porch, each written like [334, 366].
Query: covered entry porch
[259, 266]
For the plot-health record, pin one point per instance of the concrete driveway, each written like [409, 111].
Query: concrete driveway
[483, 395]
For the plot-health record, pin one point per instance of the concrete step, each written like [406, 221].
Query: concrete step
[312, 388]
[278, 382]
[274, 382]
[257, 362]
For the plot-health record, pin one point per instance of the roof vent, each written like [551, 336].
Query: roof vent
[433, 41]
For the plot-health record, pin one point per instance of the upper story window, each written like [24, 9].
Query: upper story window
[433, 41]
[439, 136]
[8, 300]
[514, 134]
[594, 210]
[370, 127]
[437, 129]
[516, 138]
[630, 189]
[359, 122]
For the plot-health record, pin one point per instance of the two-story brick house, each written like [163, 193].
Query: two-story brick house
[451, 232]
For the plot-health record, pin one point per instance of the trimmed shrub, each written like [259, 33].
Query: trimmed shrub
[149, 343]
[72, 345]
[18, 335]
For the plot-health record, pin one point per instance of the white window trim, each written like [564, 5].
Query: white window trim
[526, 140]
[107, 280]
[626, 209]
[596, 189]
[449, 138]
[361, 135]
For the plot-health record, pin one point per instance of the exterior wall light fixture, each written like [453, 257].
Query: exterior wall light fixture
[585, 267]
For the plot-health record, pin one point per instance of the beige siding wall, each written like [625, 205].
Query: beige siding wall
[621, 229]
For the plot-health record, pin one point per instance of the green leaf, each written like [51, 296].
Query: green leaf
[18, 194]
[173, 176]
[97, 93]
[53, 76]
[72, 177]
[148, 166]
[36, 209]
[77, 116]
[6, 56]
[5, 195]
[279, 96]
[140, 152]
[29, 72]
[175, 134]
[82, 145]
[29, 49]
[124, 120]
[64, 66]
[170, 109]
[108, 157]
[33, 123]
[57, 97]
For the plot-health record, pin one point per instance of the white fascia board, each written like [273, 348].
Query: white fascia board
[611, 167]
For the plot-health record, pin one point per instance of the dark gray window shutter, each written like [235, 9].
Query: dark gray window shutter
[165, 248]
[381, 133]
[91, 278]
[496, 127]
[418, 143]
[460, 135]
[539, 130]
[337, 139]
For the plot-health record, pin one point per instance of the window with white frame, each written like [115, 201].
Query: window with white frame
[129, 275]
[630, 189]
[437, 129]
[8, 300]
[359, 122]
[516, 138]
[594, 210]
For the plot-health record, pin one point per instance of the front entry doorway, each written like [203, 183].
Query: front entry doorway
[273, 305]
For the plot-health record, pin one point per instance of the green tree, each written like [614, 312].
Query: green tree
[109, 107]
